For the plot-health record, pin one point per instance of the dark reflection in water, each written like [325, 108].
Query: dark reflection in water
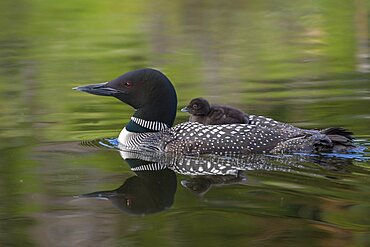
[153, 187]
[200, 185]
[147, 192]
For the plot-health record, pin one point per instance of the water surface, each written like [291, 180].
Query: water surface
[302, 62]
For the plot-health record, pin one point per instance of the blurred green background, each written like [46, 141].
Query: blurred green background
[297, 61]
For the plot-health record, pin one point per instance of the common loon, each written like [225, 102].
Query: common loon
[153, 96]
[202, 112]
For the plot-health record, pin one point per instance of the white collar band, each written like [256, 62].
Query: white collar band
[152, 125]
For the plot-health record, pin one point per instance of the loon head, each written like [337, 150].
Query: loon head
[148, 91]
[197, 107]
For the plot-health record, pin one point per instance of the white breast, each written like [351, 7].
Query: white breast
[125, 136]
[135, 141]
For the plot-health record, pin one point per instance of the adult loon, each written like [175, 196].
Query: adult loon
[202, 112]
[153, 96]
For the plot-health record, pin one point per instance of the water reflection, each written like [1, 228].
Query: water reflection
[145, 193]
[200, 185]
[214, 165]
[153, 187]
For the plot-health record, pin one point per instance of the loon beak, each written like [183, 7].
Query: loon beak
[104, 195]
[98, 89]
[185, 109]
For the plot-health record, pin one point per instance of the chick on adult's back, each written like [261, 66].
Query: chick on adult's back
[202, 112]
[153, 97]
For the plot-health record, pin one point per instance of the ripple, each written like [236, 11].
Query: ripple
[111, 143]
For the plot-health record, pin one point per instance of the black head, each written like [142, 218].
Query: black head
[198, 107]
[147, 90]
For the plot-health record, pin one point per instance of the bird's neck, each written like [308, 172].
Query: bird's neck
[139, 125]
[156, 115]
[157, 110]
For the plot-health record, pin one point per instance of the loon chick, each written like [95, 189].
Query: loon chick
[153, 96]
[202, 112]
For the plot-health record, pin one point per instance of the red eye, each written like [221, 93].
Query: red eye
[127, 84]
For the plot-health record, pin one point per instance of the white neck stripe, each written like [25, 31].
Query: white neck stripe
[149, 167]
[152, 125]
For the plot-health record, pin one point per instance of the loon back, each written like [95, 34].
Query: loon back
[194, 139]
[153, 96]
[202, 111]
[340, 138]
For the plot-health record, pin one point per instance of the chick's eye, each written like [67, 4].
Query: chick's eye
[195, 106]
[127, 84]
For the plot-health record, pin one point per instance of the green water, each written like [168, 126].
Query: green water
[302, 62]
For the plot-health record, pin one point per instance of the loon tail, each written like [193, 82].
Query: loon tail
[341, 138]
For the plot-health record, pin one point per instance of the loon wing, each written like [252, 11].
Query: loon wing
[194, 138]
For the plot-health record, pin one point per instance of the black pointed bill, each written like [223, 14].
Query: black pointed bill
[98, 89]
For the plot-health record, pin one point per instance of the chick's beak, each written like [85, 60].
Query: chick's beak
[185, 109]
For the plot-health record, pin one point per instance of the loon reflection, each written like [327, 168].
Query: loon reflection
[210, 164]
[200, 185]
[145, 193]
[153, 187]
